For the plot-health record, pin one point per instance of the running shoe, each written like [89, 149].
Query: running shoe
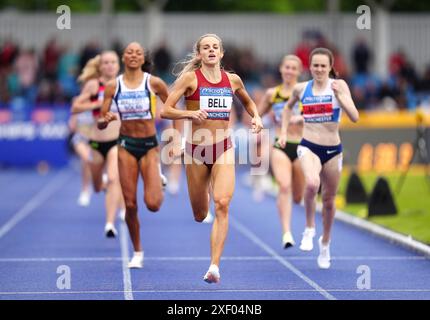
[307, 240]
[173, 187]
[110, 230]
[287, 240]
[324, 256]
[105, 181]
[163, 180]
[209, 218]
[84, 198]
[212, 276]
[137, 261]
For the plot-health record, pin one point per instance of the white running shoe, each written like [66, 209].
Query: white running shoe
[121, 214]
[137, 261]
[307, 240]
[110, 230]
[209, 218]
[324, 256]
[105, 179]
[212, 276]
[163, 180]
[173, 187]
[84, 198]
[288, 240]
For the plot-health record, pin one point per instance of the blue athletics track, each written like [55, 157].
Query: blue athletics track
[45, 236]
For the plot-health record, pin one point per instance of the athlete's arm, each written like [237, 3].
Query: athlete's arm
[105, 115]
[159, 87]
[180, 87]
[72, 123]
[286, 113]
[251, 108]
[264, 105]
[82, 102]
[343, 95]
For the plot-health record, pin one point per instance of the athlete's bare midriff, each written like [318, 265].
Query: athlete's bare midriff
[138, 128]
[325, 134]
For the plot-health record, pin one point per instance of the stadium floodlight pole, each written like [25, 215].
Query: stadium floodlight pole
[382, 33]
[106, 13]
[154, 13]
[333, 7]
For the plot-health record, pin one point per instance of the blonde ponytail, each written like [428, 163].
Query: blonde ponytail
[91, 69]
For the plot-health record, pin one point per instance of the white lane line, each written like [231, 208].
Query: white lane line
[254, 238]
[210, 291]
[227, 258]
[43, 195]
[128, 291]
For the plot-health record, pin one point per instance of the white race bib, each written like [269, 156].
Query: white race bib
[216, 102]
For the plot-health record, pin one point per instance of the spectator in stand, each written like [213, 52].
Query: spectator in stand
[304, 48]
[424, 84]
[90, 50]
[51, 56]
[397, 62]
[67, 72]
[8, 53]
[361, 56]
[162, 62]
[26, 68]
[339, 64]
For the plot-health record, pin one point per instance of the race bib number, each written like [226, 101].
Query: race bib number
[216, 102]
[318, 109]
[134, 105]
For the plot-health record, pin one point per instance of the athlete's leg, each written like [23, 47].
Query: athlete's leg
[298, 182]
[113, 190]
[128, 175]
[97, 165]
[311, 167]
[150, 170]
[222, 181]
[83, 150]
[198, 176]
[330, 176]
[282, 167]
[175, 170]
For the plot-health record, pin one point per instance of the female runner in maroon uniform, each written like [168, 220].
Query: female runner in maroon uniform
[208, 92]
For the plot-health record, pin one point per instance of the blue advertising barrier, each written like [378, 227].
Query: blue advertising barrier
[41, 138]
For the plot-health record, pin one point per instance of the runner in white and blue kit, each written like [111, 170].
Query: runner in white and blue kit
[320, 151]
[134, 93]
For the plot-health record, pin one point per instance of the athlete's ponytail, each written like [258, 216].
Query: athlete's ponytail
[91, 69]
[148, 65]
[192, 62]
[324, 51]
